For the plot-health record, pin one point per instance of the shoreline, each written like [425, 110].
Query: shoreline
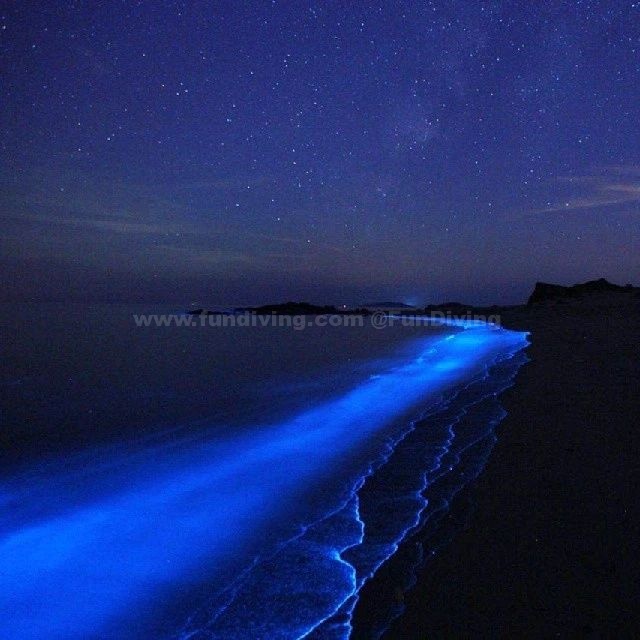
[543, 541]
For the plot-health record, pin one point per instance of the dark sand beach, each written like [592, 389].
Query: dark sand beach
[550, 548]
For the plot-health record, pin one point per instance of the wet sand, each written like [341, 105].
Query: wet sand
[551, 546]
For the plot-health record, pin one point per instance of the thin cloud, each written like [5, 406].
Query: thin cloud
[122, 226]
[602, 190]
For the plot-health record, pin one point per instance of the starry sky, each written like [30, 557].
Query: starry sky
[243, 152]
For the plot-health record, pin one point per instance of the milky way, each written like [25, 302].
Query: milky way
[243, 151]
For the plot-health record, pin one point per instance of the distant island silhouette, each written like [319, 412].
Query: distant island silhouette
[543, 293]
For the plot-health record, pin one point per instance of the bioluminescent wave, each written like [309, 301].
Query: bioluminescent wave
[263, 532]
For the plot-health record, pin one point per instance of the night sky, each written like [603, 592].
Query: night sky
[238, 152]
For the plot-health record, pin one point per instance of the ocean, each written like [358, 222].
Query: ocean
[227, 482]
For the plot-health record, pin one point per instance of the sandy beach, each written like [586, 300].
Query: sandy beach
[550, 548]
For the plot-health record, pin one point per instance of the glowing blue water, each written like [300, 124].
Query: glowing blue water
[262, 532]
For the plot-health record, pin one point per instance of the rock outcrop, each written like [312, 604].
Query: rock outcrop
[545, 292]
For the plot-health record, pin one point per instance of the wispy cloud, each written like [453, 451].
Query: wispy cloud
[123, 222]
[614, 186]
[189, 243]
[121, 226]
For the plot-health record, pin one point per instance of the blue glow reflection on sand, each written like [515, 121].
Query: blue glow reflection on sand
[88, 566]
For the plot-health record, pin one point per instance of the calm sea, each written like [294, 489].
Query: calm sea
[224, 482]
